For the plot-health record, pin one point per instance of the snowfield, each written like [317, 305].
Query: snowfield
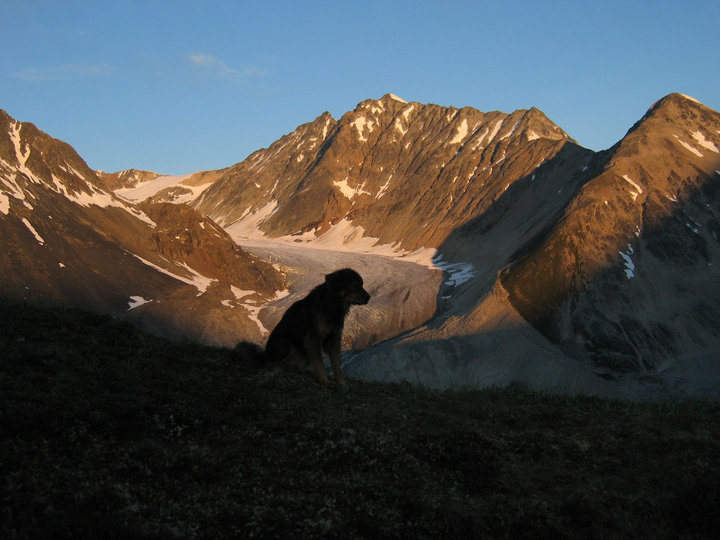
[152, 187]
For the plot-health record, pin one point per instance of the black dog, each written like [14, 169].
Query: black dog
[313, 325]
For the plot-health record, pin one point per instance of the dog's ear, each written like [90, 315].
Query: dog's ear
[338, 278]
[331, 279]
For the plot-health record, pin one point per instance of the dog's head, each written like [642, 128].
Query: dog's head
[349, 285]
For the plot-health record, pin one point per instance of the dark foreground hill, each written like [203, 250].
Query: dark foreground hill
[108, 432]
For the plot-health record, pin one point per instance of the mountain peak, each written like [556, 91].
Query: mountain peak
[393, 97]
[675, 112]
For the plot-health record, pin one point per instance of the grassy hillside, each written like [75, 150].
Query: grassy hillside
[107, 432]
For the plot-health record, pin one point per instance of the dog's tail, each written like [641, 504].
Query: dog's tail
[249, 352]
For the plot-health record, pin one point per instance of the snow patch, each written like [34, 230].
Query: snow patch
[531, 136]
[384, 187]
[461, 133]
[326, 128]
[240, 293]
[343, 236]
[34, 232]
[361, 123]
[407, 111]
[152, 187]
[377, 108]
[21, 154]
[694, 226]
[633, 194]
[248, 226]
[629, 264]
[137, 301]
[702, 141]
[200, 282]
[253, 307]
[458, 273]
[94, 197]
[511, 131]
[689, 147]
[396, 98]
[348, 191]
[495, 130]
[72, 170]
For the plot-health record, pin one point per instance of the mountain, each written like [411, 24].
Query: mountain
[628, 277]
[541, 262]
[596, 275]
[406, 174]
[67, 239]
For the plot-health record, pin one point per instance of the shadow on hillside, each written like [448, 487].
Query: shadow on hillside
[678, 239]
[518, 221]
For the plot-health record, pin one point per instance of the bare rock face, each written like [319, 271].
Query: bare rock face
[627, 277]
[405, 173]
[65, 238]
[187, 237]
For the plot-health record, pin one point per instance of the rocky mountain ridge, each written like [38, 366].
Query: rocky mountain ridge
[598, 279]
[404, 173]
[67, 239]
[125, 179]
[631, 281]
[564, 269]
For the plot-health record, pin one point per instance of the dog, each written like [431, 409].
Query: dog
[313, 325]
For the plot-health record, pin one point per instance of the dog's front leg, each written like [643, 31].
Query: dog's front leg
[313, 350]
[333, 351]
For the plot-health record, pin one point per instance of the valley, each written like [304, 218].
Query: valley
[498, 251]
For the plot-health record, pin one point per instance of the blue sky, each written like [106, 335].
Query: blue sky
[177, 86]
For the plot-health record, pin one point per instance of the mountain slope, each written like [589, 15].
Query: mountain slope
[403, 173]
[563, 268]
[66, 239]
[596, 274]
[627, 279]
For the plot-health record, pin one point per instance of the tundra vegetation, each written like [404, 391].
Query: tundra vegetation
[109, 432]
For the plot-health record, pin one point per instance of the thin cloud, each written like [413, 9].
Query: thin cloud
[63, 72]
[210, 67]
[254, 71]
